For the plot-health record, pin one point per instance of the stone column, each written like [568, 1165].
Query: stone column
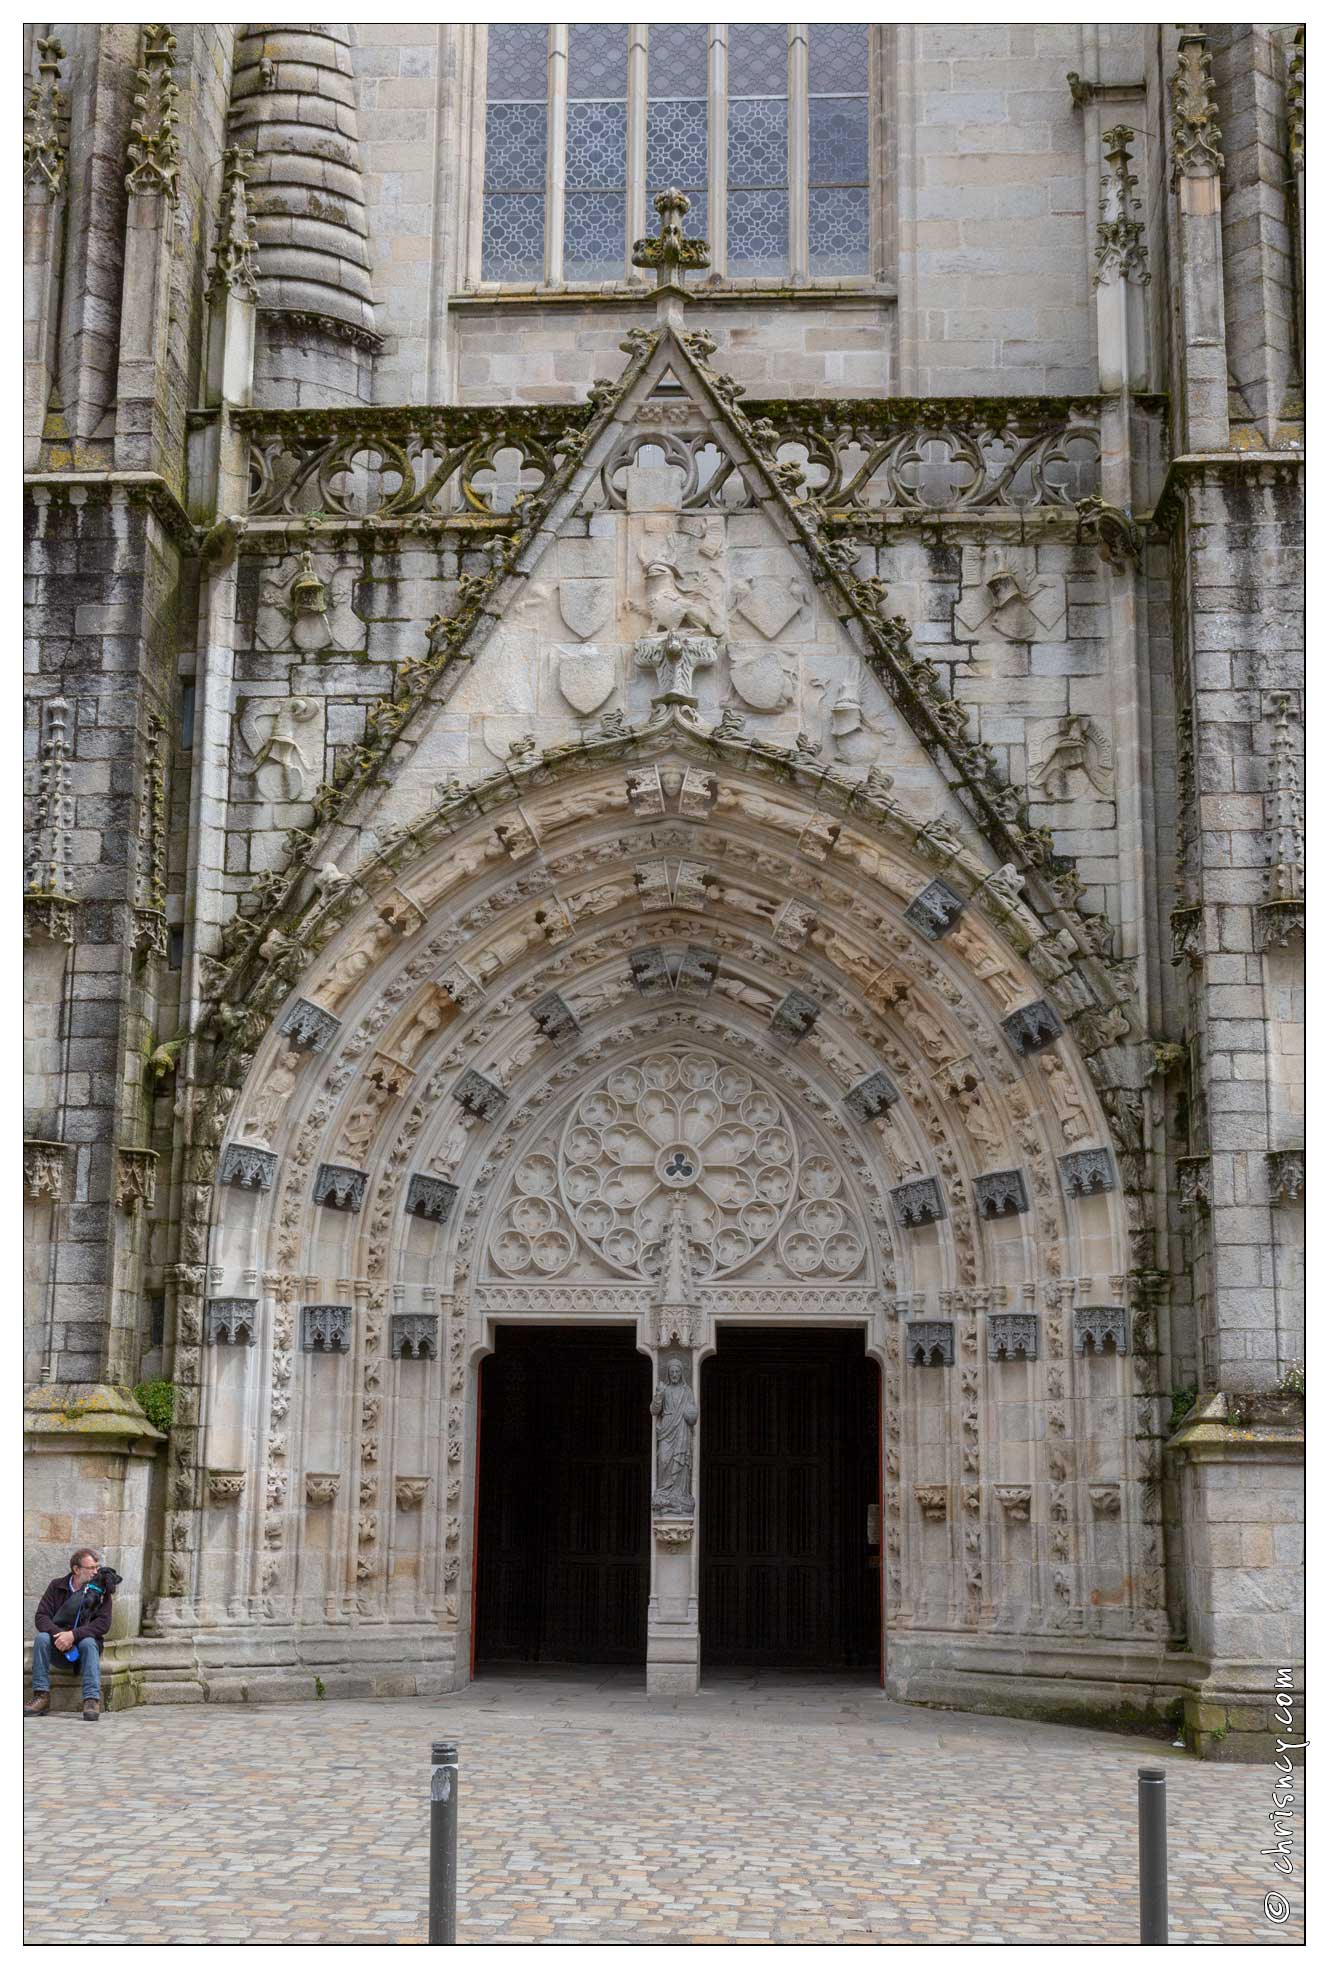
[153, 184]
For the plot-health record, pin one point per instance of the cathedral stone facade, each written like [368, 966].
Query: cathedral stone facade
[664, 887]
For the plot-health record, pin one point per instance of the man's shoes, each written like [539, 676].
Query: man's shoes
[92, 1709]
[40, 1704]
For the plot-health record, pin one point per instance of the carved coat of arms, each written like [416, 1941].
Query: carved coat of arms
[585, 605]
[587, 677]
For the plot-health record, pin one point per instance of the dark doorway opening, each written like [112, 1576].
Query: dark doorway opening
[790, 1568]
[563, 1525]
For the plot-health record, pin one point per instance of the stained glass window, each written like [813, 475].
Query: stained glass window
[516, 134]
[838, 148]
[758, 150]
[595, 171]
[676, 117]
[672, 93]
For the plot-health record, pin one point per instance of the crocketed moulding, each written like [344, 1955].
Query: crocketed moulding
[293, 105]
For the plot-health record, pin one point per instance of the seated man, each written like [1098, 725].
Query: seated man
[82, 1626]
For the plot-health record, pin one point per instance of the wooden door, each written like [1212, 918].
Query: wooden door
[788, 1471]
[563, 1559]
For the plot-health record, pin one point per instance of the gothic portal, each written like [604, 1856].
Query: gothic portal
[665, 870]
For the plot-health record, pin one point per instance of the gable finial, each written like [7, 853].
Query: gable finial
[669, 252]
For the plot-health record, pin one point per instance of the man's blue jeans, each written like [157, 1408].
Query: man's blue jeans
[89, 1661]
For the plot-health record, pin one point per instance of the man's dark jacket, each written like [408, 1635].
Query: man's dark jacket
[53, 1599]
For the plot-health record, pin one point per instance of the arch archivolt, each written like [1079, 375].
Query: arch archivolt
[432, 970]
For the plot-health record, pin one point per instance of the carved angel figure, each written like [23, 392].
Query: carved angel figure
[1079, 746]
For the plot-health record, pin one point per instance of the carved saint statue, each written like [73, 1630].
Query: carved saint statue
[675, 1409]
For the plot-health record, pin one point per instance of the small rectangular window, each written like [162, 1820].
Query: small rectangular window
[595, 214]
[175, 948]
[187, 715]
[758, 150]
[156, 1318]
[516, 136]
[838, 148]
[676, 127]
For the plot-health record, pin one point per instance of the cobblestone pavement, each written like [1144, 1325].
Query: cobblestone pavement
[763, 1810]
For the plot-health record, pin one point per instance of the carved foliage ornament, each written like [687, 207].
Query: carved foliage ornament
[44, 1170]
[44, 147]
[1197, 141]
[234, 270]
[1121, 248]
[154, 146]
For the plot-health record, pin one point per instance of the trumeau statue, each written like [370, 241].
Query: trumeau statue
[675, 1409]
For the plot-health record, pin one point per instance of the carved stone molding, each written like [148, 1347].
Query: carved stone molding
[1194, 1180]
[1287, 1175]
[1032, 1027]
[1187, 924]
[44, 1170]
[309, 1026]
[1096, 1325]
[414, 1336]
[672, 1531]
[918, 1202]
[135, 1179]
[1086, 1172]
[321, 1487]
[246, 1168]
[226, 1486]
[409, 1492]
[1105, 1500]
[650, 971]
[932, 1500]
[870, 1097]
[430, 1196]
[930, 1343]
[48, 918]
[1015, 1500]
[1012, 1334]
[1279, 924]
[934, 910]
[326, 1329]
[1001, 1194]
[338, 1187]
[231, 1322]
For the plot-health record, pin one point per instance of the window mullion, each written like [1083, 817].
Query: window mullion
[717, 148]
[798, 155]
[555, 172]
[635, 202]
[476, 98]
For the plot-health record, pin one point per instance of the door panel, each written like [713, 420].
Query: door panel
[562, 1570]
[788, 1470]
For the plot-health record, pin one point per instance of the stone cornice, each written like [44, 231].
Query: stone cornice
[1188, 465]
[518, 300]
[149, 487]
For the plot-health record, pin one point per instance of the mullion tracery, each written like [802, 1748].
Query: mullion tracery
[758, 151]
[595, 159]
[676, 116]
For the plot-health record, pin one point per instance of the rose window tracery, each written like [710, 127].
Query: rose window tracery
[683, 1125]
[678, 1128]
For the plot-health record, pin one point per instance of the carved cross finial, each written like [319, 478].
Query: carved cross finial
[1197, 141]
[43, 138]
[669, 252]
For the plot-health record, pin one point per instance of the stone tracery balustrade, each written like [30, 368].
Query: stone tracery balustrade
[948, 455]
[851, 457]
[400, 462]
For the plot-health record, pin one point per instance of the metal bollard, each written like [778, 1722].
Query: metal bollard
[1152, 1788]
[443, 1844]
